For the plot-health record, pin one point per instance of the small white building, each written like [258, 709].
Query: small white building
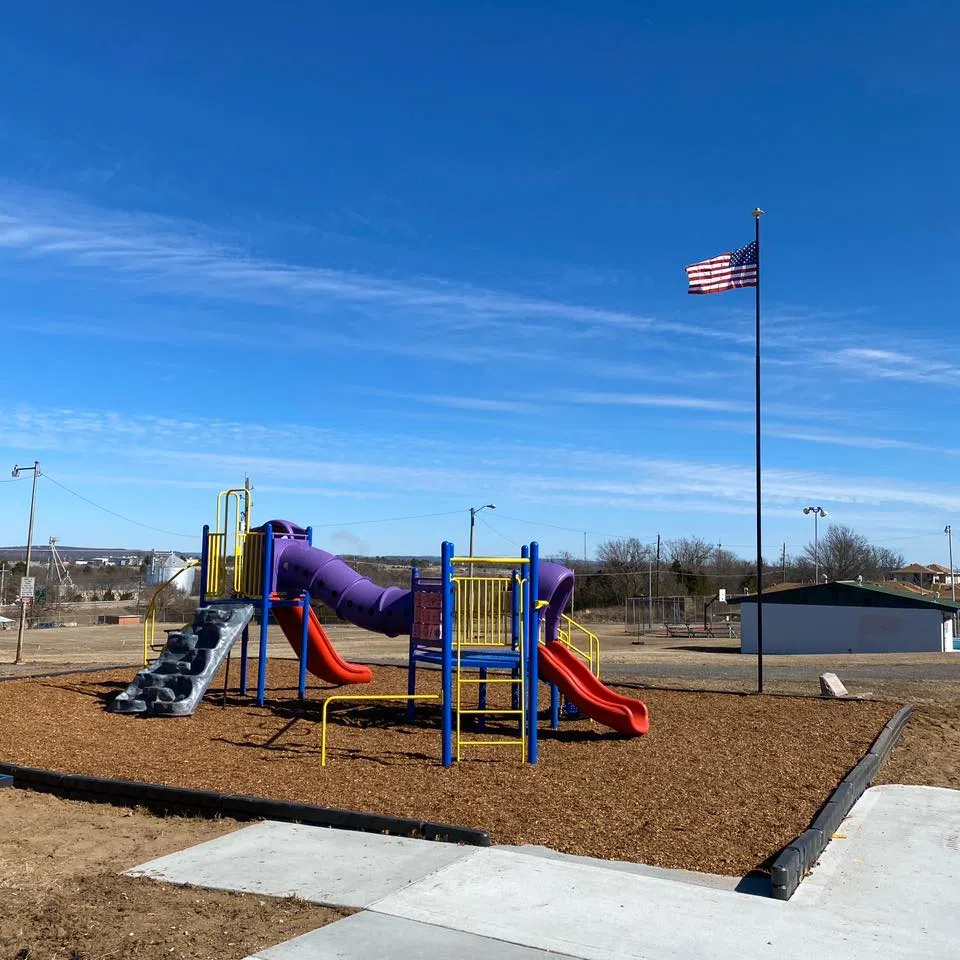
[847, 617]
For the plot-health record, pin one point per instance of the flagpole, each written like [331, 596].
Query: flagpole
[757, 214]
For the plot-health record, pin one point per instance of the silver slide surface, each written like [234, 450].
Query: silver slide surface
[175, 684]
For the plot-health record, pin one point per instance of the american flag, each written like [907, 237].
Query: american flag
[726, 272]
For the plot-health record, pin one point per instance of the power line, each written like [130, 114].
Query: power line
[504, 537]
[113, 513]
[556, 526]
[356, 523]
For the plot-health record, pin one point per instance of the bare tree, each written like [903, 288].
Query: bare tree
[885, 561]
[843, 554]
[688, 558]
[625, 567]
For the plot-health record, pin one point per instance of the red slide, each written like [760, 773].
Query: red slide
[322, 660]
[560, 667]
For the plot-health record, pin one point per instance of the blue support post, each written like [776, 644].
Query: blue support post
[244, 651]
[204, 563]
[554, 707]
[309, 536]
[533, 644]
[304, 639]
[446, 668]
[265, 589]
[520, 602]
[411, 658]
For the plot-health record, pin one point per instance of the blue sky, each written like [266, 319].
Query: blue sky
[394, 260]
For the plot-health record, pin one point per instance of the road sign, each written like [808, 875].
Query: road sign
[723, 594]
[27, 587]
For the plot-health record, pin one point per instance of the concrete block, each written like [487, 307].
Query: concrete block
[336, 867]
[366, 936]
[830, 686]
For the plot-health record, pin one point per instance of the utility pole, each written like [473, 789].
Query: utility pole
[17, 470]
[3, 583]
[650, 592]
[657, 584]
[473, 522]
[783, 562]
[584, 545]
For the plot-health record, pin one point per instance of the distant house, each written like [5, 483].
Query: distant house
[847, 617]
[924, 576]
[941, 574]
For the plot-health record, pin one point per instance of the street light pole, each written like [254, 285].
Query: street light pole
[817, 513]
[948, 530]
[17, 470]
[473, 522]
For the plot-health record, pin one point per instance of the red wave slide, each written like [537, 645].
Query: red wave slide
[323, 661]
[557, 665]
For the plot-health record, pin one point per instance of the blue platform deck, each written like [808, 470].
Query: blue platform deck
[474, 658]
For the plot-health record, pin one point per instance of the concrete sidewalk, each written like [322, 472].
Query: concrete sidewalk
[889, 885]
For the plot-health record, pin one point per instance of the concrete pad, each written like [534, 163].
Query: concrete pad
[336, 867]
[594, 913]
[371, 936]
[896, 860]
[625, 866]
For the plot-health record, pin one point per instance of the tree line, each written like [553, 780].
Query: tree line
[691, 566]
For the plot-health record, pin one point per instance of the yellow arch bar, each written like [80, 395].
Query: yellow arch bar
[150, 617]
[362, 696]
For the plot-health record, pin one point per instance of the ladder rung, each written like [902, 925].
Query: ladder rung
[492, 743]
[486, 713]
[495, 680]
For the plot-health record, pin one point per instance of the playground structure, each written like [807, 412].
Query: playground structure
[483, 621]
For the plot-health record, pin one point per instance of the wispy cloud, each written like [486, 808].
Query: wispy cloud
[459, 401]
[185, 256]
[188, 258]
[671, 401]
[896, 365]
[850, 439]
[355, 465]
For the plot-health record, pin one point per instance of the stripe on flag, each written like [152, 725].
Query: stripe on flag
[728, 271]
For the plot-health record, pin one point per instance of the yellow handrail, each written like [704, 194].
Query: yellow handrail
[150, 617]
[592, 654]
[362, 696]
[502, 561]
[226, 537]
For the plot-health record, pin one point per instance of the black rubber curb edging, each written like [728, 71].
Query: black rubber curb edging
[211, 804]
[801, 854]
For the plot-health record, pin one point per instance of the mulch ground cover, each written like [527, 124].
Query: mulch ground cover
[720, 784]
[61, 897]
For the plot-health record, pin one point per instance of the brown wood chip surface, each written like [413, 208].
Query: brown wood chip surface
[720, 784]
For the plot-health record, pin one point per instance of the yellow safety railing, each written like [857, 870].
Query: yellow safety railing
[248, 572]
[483, 616]
[362, 696]
[216, 563]
[482, 611]
[581, 641]
[150, 617]
[231, 538]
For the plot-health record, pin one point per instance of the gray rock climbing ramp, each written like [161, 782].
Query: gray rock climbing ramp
[175, 684]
